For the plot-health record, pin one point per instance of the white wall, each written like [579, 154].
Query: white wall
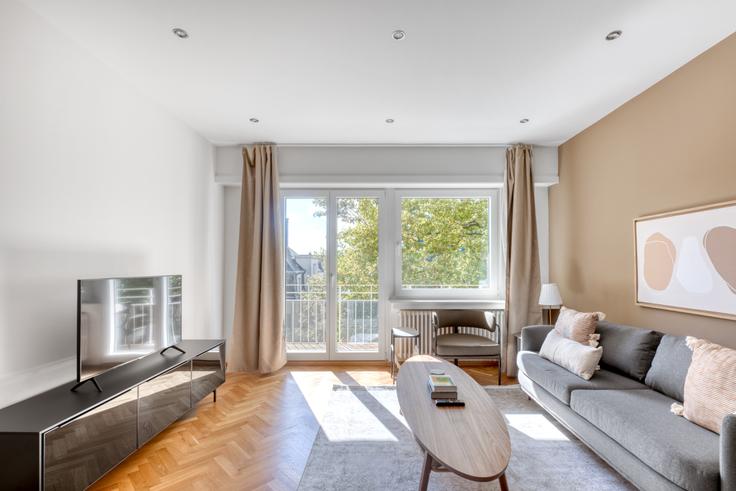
[95, 180]
[231, 232]
[377, 166]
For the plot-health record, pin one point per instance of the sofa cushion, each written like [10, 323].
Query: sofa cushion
[641, 422]
[560, 383]
[466, 345]
[575, 357]
[669, 367]
[626, 349]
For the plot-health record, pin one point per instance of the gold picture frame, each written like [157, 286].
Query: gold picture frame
[682, 263]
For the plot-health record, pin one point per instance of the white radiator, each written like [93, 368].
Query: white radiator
[421, 320]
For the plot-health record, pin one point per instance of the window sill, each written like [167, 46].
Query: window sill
[449, 304]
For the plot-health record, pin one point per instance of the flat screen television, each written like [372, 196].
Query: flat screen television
[122, 319]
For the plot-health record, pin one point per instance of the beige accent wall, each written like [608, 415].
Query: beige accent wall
[671, 147]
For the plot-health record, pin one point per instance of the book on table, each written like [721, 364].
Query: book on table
[442, 395]
[441, 387]
[442, 383]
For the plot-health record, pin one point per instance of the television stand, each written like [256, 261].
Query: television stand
[78, 385]
[173, 346]
[65, 440]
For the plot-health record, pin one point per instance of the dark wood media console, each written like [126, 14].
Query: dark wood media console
[64, 440]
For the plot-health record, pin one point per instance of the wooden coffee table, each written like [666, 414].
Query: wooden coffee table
[473, 441]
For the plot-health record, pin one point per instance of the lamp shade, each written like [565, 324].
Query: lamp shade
[550, 295]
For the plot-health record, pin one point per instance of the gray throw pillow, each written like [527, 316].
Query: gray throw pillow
[669, 367]
[626, 349]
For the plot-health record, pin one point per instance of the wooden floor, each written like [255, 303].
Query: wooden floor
[256, 437]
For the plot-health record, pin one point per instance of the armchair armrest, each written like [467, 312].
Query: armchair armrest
[728, 453]
[532, 337]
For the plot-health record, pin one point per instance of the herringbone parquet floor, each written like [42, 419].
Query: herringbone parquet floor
[256, 437]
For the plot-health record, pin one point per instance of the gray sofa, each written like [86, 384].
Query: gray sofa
[623, 412]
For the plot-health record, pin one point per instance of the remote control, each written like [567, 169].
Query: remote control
[449, 403]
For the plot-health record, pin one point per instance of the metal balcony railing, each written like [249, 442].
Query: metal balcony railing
[306, 315]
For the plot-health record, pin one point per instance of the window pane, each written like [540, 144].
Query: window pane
[445, 242]
[305, 305]
[357, 274]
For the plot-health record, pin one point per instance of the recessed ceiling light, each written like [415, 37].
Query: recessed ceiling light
[254, 120]
[398, 35]
[613, 35]
[180, 33]
[524, 120]
[389, 120]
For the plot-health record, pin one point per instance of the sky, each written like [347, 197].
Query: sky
[307, 233]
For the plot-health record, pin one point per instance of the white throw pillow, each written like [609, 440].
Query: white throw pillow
[577, 358]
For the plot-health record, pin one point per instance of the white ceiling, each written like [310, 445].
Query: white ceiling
[328, 71]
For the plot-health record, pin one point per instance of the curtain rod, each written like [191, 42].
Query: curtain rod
[378, 145]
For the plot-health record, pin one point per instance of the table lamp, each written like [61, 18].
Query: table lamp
[549, 297]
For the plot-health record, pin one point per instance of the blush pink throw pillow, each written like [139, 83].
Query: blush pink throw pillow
[710, 385]
[579, 326]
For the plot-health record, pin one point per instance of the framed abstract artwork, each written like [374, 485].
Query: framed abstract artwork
[686, 260]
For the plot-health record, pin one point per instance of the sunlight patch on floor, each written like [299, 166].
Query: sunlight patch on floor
[535, 426]
[315, 386]
[388, 399]
[357, 424]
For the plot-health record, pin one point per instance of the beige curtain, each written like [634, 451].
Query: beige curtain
[257, 341]
[523, 279]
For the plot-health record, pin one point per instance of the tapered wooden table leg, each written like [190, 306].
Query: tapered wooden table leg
[503, 483]
[424, 482]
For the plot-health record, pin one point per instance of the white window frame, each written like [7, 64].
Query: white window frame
[332, 195]
[493, 291]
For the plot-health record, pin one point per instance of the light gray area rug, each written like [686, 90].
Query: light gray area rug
[364, 444]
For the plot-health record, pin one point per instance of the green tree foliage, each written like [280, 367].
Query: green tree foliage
[444, 243]
[357, 246]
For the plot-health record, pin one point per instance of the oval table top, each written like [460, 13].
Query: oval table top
[472, 441]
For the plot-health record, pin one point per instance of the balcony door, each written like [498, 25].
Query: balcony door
[332, 265]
